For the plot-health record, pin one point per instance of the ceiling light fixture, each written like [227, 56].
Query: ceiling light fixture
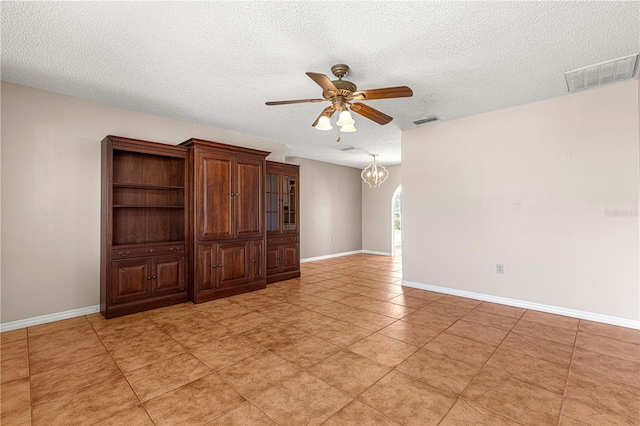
[348, 129]
[324, 123]
[345, 121]
[374, 174]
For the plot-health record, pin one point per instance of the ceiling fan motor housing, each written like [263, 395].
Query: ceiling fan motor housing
[345, 88]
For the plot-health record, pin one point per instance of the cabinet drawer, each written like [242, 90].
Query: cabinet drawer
[147, 251]
[283, 239]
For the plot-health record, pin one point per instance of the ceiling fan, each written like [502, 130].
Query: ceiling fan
[342, 94]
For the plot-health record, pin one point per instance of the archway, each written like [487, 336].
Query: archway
[396, 222]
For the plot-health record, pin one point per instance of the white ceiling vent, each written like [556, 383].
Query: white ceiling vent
[428, 119]
[603, 73]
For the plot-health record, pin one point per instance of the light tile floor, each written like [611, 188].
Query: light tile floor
[343, 345]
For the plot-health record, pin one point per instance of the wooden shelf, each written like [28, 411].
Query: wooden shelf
[147, 245]
[145, 186]
[122, 206]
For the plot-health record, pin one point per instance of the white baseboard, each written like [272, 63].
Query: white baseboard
[43, 319]
[379, 253]
[330, 256]
[574, 313]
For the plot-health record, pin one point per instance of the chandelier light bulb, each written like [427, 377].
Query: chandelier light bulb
[348, 128]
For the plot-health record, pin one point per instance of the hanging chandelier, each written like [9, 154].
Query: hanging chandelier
[375, 173]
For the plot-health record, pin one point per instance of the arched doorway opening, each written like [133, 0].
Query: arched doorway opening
[396, 222]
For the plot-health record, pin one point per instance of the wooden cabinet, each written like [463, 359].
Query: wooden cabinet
[283, 259]
[282, 221]
[226, 219]
[138, 279]
[143, 232]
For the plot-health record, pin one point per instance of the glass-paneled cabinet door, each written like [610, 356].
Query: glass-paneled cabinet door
[289, 203]
[272, 201]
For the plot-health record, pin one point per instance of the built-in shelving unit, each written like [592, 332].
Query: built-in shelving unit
[143, 225]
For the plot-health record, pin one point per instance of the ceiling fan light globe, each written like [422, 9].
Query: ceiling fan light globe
[348, 129]
[345, 119]
[324, 123]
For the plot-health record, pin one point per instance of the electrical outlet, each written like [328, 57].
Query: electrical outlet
[333, 240]
[499, 268]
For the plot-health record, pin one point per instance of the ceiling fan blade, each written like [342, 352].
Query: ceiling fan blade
[386, 93]
[323, 81]
[371, 113]
[328, 111]
[298, 101]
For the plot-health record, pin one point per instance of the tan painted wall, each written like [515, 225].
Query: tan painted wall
[548, 189]
[51, 193]
[376, 212]
[330, 206]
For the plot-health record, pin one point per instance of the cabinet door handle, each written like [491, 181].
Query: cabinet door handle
[148, 278]
[253, 261]
[122, 253]
[219, 266]
[154, 277]
[214, 266]
[293, 238]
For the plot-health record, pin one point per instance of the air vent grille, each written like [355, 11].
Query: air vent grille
[428, 119]
[603, 73]
[349, 148]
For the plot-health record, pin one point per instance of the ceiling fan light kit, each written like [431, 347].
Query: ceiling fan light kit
[341, 93]
[348, 129]
[345, 119]
[324, 123]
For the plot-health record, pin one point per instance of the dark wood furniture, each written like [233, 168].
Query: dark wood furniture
[143, 226]
[226, 225]
[283, 221]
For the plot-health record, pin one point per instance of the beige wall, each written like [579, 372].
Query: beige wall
[330, 206]
[51, 193]
[376, 213]
[537, 188]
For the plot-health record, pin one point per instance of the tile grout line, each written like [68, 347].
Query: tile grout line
[566, 382]
[29, 375]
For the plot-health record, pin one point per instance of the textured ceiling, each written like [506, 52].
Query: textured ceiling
[217, 63]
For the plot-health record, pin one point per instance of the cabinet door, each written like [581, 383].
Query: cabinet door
[273, 262]
[206, 268]
[131, 280]
[168, 275]
[215, 196]
[290, 257]
[233, 264]
[273, 198]
[249, 199]
[256, 260]
[290, 203]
